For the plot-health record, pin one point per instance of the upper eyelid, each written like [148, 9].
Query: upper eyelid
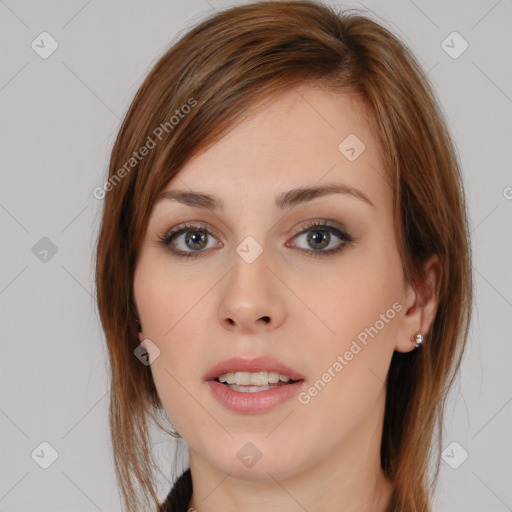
[198, 225]
[318, 222]
[192, 226]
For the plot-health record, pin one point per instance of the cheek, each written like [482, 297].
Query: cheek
[162, 297]
[352, 296]
[169, 313]
[165, 310]
[172, 386]
[362, 308]
[149, 294]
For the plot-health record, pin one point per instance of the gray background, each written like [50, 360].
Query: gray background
[59, 117]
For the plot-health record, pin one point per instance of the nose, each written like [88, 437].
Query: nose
[252, 297]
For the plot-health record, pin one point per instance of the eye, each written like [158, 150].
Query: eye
[187, 236]
[318, 235]
[191, 240]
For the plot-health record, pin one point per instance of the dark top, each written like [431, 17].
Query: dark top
[179, 497]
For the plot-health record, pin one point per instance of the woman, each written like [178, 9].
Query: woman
[269, 133]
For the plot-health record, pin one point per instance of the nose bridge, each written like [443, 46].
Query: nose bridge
[250, 295]
[251, 259]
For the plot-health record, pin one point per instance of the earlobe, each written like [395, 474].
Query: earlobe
[420, 307]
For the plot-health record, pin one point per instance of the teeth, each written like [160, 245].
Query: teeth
[249, 389]
[252, 378]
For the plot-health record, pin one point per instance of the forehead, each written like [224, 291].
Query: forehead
[306, 136]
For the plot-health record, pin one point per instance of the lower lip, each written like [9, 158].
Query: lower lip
[253, 403]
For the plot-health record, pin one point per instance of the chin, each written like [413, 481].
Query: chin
[257, 460]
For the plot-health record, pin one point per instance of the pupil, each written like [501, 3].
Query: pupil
[196, 237]
[319, 237]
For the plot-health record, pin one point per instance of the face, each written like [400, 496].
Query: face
[312, 282]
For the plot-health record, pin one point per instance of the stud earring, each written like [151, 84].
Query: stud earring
[417, 339]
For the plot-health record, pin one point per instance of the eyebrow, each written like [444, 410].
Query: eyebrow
[285, 200]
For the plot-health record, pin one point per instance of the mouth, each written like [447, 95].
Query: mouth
[253, 375]
[254, 382]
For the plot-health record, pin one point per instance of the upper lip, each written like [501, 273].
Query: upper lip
[257, 364]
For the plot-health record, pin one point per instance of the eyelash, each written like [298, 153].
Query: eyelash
[166, 238]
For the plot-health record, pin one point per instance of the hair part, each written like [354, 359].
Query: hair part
[229, 64]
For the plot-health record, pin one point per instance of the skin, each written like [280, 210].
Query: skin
[323, 455]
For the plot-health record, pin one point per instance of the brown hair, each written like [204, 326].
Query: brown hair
[222, 68]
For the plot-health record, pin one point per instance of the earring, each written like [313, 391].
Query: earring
[417, 339]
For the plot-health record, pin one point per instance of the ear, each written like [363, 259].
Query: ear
[141, 337]
[420, 302]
